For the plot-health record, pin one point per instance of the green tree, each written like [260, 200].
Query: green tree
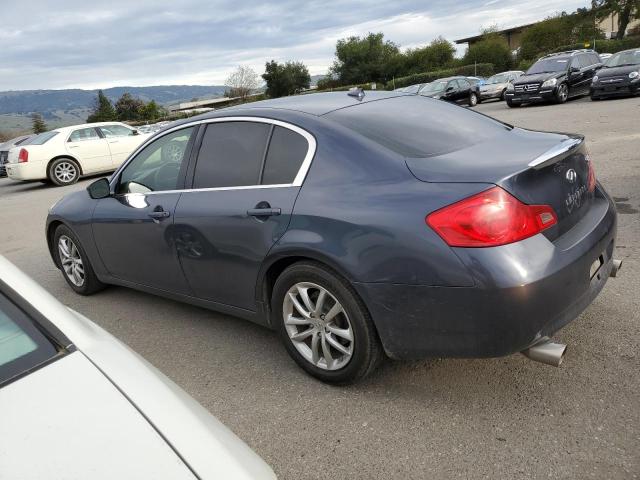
[438, 54]
[367, 59]
[285, 78]
[103, 110]
[38, 124]
[627, 10]
[493, 48]
[151, 111]
[129, 108]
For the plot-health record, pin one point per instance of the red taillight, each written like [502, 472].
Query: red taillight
[591, 181]
[490, 218]
[23, 156]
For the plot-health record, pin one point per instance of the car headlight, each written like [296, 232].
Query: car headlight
[510, 87]
[595, 78]
[635, 74]
[552, 82]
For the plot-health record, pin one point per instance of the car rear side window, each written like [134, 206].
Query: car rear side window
[287, 151]
[231, 154]
[418, 126]
[22, 346]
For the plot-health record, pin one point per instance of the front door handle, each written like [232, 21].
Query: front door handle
[263, 212]
[159, 214]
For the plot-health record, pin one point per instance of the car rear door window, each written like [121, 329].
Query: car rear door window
[231, 154]
[84, 134]
[287, 151]
[22, 346]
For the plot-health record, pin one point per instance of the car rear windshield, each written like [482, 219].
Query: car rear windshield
[417, 126]
[549, 65]
[22, 345]
[41, 139]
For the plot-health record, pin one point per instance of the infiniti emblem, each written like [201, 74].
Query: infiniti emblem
[571, 175]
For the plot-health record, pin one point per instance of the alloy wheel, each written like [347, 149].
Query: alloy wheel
[71, 261]
[563, 92]
[318, 326]
[65, 172]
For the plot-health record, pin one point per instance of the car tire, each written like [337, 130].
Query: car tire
[503, 95]
[63, 171]
[595, 99]
[473, 99]
[562, 93]
[510, 104]
[310, 334]
[74, 262]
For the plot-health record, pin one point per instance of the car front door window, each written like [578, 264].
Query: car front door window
[158, 166]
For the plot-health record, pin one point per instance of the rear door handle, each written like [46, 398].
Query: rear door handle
[263, 212]
[159, 214]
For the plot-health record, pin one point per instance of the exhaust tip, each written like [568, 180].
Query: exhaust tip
[617, 265]
[547, 352]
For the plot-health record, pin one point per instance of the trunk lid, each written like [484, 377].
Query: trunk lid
[537, 168]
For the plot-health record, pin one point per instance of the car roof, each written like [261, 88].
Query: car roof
[313, 103]
[85, 125]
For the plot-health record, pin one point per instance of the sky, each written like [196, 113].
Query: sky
[83, 44]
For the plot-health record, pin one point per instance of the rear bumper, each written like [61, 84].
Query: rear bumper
[601, 91]
[523, 290]
[26, 171]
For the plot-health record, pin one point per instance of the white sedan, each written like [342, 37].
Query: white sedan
[76, 403]
[65, 154]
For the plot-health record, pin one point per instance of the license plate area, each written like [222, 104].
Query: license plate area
[595, 267]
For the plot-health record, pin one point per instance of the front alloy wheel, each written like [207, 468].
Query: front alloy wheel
[318, 326]
[563, 93]
[71, 261]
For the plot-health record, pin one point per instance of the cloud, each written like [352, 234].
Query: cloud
[149, 42]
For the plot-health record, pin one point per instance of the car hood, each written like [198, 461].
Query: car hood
[606, 72]
[67, 420]
[538, 77]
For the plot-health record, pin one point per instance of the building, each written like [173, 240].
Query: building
[513, 35]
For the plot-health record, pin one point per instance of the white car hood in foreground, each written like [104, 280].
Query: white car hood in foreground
[205, 445]
[67, 420]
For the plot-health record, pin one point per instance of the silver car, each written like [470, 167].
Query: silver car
[4, 151]
[496, 85]
[75, 403]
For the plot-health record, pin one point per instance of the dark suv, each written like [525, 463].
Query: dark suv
[556, 78]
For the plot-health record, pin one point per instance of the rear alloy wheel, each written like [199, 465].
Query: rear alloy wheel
[64, 171]
[324, 325]
[562, 94]
[74, 263]
[473, 99]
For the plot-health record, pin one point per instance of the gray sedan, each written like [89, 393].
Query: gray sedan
[78, 404]
[496, 85]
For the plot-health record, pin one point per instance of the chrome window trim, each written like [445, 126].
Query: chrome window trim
[297, 181]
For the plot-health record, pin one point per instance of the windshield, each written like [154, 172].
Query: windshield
[631, 57]
[549, 65]
[433, 87]
[41, 139]
[412, 88]
[499, 78]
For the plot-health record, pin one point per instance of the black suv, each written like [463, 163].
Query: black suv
[555, 78]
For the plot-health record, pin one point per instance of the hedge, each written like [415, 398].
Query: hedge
[603, 46]
[342, 88]
[480, 70]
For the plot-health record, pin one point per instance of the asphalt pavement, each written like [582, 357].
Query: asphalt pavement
[433, 419]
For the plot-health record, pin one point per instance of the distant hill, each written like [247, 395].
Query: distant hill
[49, 101]
[316, 78]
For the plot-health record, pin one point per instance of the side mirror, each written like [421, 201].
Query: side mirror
[574, 70]
[136, 132]
[99, 189]
[449, 89]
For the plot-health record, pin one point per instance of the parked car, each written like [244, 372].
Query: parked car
[619, 76]
[453, 89]
[413, 88]
[476, 80]
[356, 225]
[63, 155]
[4, 151]
[76, 403]
[555, 78]
[604, 56]
[496, 85]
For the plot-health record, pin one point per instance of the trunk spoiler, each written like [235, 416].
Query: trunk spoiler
[556, 153]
